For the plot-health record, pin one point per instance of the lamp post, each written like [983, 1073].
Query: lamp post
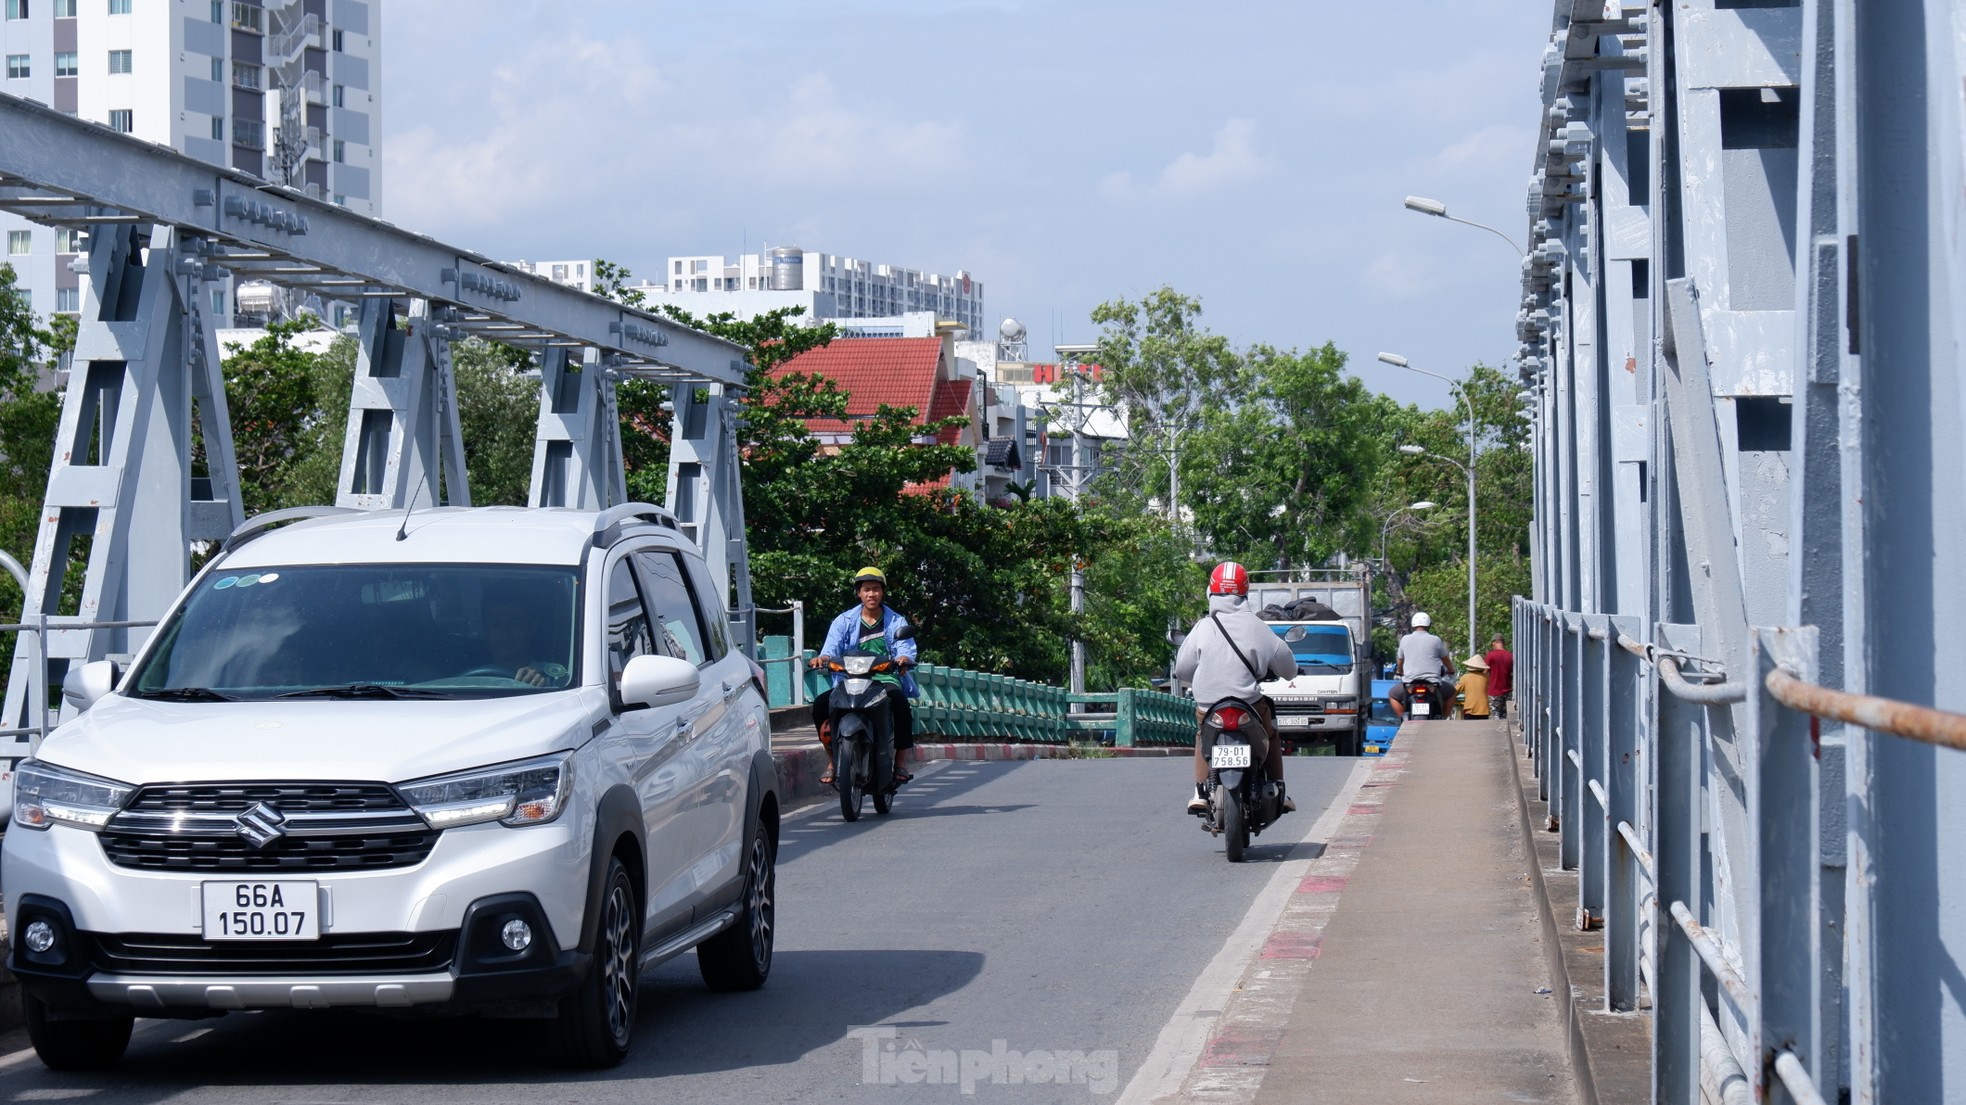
[1411, 509]
[1438, 210]
[1398, 361]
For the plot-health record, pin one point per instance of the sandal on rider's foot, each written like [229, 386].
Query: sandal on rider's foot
[826, 777]
[901, 776]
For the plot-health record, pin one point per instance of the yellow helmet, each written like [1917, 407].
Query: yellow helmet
[869, 575]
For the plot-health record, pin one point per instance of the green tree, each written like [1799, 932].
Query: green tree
[498, 418]
[272, 394]
[1167, 373]
[1282, 478]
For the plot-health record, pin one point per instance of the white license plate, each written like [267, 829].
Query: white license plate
[281, 909]
[1229, 755]
[1422, 709]
[1295, 721]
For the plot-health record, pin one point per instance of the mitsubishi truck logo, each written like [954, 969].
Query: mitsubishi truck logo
[261, 825]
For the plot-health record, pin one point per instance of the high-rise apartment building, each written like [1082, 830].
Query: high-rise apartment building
[283, 89]
[827, 285]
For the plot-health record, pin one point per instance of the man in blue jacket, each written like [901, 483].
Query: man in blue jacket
[871, 626]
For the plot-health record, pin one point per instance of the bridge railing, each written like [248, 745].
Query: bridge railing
[958, 704]
[1704, 813]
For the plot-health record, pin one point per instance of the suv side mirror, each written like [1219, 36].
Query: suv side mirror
[82, 686]
[1295, 633]
[658, 681]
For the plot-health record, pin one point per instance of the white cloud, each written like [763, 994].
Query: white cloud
[1496, 148]
[1401, 276]
[1232, 160]
[583, 125]
[550, 116]
[825, 142]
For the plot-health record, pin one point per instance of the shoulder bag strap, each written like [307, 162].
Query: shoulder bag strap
[1253, 673]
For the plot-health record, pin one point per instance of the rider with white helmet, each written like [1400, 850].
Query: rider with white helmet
[1423, 655]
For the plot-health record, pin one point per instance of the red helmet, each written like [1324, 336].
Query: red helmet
[1228, 578]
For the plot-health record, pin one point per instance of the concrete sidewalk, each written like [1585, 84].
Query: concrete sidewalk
[1417, 957]
[1431, 984]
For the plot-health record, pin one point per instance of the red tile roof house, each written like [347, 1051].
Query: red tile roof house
[899, 372]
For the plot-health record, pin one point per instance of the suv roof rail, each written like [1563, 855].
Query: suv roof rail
[609, 522]
[260, 523]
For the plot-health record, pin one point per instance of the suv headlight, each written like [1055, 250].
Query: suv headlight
[45, 794]
[530, 792]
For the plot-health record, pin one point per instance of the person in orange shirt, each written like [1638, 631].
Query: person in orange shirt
[1474, 689]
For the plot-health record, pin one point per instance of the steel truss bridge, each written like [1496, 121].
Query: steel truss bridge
[1743, 321]
[161, 230]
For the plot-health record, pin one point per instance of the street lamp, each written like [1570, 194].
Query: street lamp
[1438, 210]
[1398, 361]
[1412, 508]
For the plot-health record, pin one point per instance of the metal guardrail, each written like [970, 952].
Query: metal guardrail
[1735, 784]
[958, 704]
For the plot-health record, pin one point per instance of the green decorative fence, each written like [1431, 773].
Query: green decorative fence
[962, 705]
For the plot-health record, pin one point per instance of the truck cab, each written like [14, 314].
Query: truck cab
[1321, 701]
[1321, 613]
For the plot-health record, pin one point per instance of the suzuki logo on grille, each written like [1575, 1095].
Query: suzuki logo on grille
[261, 825]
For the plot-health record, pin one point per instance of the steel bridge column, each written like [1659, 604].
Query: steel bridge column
[1905, 444]
[1679, 849]
[1594, 755]
[1782, 949]
[1625, 754]
[576, 458]
[705, 495]
[403, 447]
[1568, 774]
[145, 362]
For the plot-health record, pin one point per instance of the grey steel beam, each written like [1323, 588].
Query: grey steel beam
[84, 167]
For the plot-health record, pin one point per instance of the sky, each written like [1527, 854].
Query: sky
[1253, 154]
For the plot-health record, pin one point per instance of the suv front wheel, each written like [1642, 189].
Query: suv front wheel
[597, 1021]
[75, 1044]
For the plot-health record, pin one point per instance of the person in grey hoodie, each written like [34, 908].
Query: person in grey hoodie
[1228, 654]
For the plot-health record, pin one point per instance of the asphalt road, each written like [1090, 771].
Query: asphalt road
[1019, 930]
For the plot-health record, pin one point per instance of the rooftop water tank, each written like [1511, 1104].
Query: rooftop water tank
[788, 269]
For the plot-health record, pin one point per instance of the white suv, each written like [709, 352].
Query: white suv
[456, 761]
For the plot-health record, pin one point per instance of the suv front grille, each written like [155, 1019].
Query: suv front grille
[354, 954]
[323, 827]
[288, 798]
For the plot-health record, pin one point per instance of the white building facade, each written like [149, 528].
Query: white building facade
[283, 89]
[826, 284]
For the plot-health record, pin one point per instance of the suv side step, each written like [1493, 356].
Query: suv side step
[690, 939]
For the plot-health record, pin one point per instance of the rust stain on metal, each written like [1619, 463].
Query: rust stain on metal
[1883, 715]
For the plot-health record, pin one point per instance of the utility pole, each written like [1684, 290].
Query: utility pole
[1075, 482]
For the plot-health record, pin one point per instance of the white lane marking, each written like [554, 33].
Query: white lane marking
[828, 801]
[1184, 1036]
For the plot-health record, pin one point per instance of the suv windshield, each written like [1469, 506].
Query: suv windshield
[369, 631]
[1324, 648]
